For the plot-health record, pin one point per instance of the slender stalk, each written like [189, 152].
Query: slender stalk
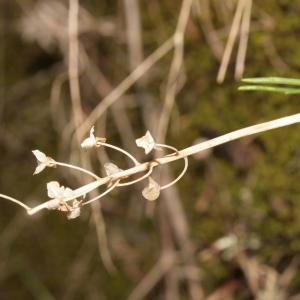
[235, 27]
[163, 146]
[186, 164]
[78, 169]
[103, 194]
[135, 161]
[244, 35]
[73, 68]
[138, 179]
[234, 135]
[15, 201]
[136, 74]
[175, 69]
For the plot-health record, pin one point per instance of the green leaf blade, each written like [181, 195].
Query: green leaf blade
[282, 90]
[273, 80]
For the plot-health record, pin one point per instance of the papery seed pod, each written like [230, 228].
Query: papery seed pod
[152, 191]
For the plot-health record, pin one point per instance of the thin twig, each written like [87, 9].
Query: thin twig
[244, 34]
[102, 194]
[103, 88]
[78, 112]
[125, 85]
[186, 164]
[15, 201]
[135, 161]
[175, 69]
[234, 135]
[133, 31]
[231, 39]
[138, 179]
[78, 169]
[74, 62]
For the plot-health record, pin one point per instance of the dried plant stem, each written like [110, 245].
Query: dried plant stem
[103, 244]
[237, 134]
[15, 201]
[77, 168]
[115, 178]
[74, 61]
[57, 110]
[103, 194]
[186, 164]
[103, 87]
[138, 179]
[175, 69]
[135, 161]
[244, 35]
[125, 85]
[164, 146]
[234, 135]
[231, 39]
[134, 34]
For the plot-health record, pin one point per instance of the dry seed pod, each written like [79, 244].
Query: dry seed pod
[152, 191]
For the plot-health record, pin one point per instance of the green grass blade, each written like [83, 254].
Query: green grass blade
[272, 80]
[286, 91]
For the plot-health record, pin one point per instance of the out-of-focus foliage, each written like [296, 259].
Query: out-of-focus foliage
[248, 189]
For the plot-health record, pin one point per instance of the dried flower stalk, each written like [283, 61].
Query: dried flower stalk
[65, 199]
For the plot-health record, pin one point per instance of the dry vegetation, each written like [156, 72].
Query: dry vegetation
[228, 230]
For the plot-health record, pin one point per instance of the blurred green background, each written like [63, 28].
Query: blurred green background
[233, 228]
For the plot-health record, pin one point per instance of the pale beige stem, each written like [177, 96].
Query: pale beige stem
[244, 35]
[186, 164]
[231, 39]
[135, 161]
[125, 85]
[74, 61]
[15, 201]
[133, 32]
[234, 135]
[138, 179]
[164, 146]
[78, 169]
[102, 195]
[175, 69]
